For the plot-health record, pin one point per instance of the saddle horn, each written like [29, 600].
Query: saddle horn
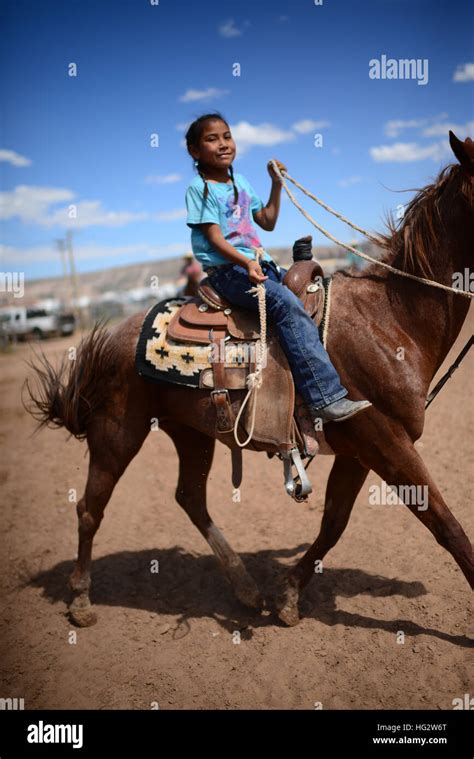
[302, 249]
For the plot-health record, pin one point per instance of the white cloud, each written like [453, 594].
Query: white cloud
[163, 178]
[441, 130]
[33, 205]
[248, 135]
[16, 257]
[173, 215]
[191, 96]
[90, 213]
[307, 125]
[229, 29]
[396, 126]
[10, 156]
[30, 204]
[393, 128]
[349, 181]
[464, 73]
[406, 152]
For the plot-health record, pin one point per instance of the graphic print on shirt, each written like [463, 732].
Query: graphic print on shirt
[241, 231]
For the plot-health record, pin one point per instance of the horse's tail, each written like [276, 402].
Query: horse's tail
[69, 395]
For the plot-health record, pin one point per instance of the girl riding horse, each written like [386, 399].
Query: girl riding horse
[222, 207]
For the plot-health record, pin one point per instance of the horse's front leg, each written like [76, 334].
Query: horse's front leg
[397, 461]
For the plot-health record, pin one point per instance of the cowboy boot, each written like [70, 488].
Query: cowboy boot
[340, 410]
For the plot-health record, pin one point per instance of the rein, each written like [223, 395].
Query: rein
[439, 386]
[449, 373]
[359, 253]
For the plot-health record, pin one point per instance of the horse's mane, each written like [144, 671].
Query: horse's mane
[414, 237]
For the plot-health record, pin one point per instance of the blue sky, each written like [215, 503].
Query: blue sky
[145, 69]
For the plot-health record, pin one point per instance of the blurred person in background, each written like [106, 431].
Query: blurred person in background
[189, 276]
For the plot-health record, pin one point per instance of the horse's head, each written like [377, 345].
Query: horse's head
[463, 213]
[464, 152]
[441, 211]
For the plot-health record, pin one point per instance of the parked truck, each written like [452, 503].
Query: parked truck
[22, 323]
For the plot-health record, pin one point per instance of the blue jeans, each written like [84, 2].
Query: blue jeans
[315, 377]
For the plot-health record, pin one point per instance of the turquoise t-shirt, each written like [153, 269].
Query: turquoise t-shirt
[236, 221]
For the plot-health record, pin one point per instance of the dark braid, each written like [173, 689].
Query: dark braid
[236, 192]
[206, 188]
[193, 136]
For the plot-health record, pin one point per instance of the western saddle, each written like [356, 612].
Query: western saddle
[209, 318]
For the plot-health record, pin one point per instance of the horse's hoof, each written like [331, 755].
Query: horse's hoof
[245, 589]
[251, 598]
[289, 615]
[288, 609]
[83, 618]
[82, 613]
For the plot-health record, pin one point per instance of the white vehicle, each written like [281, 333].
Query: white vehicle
[22, 323]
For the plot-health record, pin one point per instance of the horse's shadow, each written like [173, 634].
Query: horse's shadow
[188, 586]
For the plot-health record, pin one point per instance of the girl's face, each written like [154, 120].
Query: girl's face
[216, 147]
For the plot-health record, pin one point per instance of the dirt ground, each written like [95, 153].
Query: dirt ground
[171, 638]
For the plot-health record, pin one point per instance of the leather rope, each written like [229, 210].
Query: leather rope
[359, 253]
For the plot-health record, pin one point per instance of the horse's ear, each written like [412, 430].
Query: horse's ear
[464, 151]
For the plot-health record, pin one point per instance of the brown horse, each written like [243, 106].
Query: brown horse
[377, 318]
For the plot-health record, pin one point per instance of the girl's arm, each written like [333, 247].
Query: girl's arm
[267, 217]
[214, 234]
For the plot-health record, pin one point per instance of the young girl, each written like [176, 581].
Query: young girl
[222, 208]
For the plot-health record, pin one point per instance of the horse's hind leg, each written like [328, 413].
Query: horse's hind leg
[196, 451]
[345, 481]
[111, 449]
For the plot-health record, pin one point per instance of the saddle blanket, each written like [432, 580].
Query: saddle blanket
[158, 357]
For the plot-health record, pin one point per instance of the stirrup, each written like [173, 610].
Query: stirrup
[297, 490]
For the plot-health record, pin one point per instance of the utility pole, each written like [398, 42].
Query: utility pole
[74, 277]
[62, 254]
